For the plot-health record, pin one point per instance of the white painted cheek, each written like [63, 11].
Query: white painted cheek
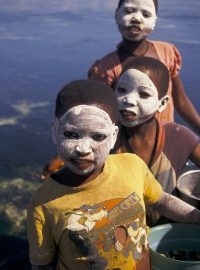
[149, 107]
[120, 101]
[126, 20]
[114, 133]
[65, 149]
[102, 149]
[62, 150]
[103, 152]
[123, 20]
[153, 19]
[149, 24]
[113, 140]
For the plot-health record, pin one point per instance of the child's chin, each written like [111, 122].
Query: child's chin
[136, 38]
[79, 171]
[132, 124]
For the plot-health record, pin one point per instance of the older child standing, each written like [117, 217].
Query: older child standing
[91, 213]
[135, 20]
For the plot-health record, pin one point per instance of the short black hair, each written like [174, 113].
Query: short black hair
[86, 92]
[154, 69]
[155, 4]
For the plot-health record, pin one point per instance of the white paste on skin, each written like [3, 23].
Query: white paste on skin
[84, 134]
[140, 13]
[138, 95]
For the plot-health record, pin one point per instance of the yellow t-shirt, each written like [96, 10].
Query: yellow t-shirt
[99, 225]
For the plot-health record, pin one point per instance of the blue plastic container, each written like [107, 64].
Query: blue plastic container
[174, 236]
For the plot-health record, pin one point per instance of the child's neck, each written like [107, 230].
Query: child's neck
[66, 177]
[136, 48]
[143, 130]
[142, 139]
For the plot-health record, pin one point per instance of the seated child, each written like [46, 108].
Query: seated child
[165, 147]
[91, 213]
[136, 19]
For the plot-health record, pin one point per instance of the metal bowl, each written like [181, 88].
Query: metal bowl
[188, 186]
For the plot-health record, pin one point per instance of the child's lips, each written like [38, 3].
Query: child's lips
[82, 163]
[135, 29]
[128, 115]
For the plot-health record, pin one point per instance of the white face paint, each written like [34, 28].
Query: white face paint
[84, 136]
[137, 98]
[136, 19]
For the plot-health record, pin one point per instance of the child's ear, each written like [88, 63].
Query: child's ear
[54, 129]
[163, 103]
[114, 135]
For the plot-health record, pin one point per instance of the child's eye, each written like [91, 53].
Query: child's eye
[121, 90]
[146, 14]
[144, 94]
[99, 137]
[71, 135]
[128, 11]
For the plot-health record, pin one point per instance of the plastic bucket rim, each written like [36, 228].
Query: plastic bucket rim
[165, 258]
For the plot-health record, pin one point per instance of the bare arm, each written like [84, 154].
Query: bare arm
[183, 104]
[195, 156]
[176, 209]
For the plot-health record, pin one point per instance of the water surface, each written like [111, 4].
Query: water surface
[45, 44]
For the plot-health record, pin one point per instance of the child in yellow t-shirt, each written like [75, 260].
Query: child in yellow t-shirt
[91, 213]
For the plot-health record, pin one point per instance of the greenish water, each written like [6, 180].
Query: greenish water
[14, 197]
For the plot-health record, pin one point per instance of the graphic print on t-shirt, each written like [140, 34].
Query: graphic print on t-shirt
[109, 232]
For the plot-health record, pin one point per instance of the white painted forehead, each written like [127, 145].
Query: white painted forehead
[89, 109]
[146, 3]
[135, 75]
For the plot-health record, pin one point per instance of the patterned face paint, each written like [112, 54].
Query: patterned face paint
[137, 98]
[136, 19]
[84, 136]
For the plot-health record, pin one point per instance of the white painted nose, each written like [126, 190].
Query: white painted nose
[84, 148]
[129, 101]
[137, 16]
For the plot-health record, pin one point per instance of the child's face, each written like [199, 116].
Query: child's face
[137, 98]
[136, 19]
[84, 136]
